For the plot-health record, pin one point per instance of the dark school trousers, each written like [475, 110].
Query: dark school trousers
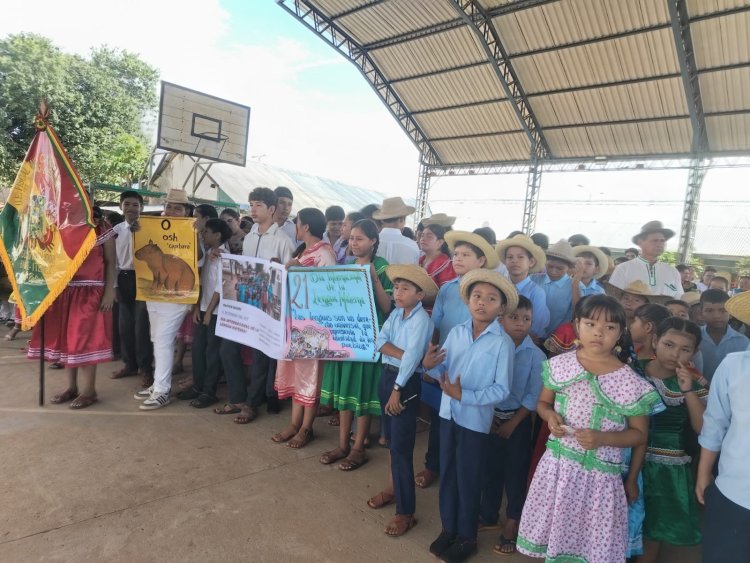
[206, 360]
[401, 431]
[135, 330]
[726, 533]
[234, 371]
[262, 377]
[506, 469]
[461, 464]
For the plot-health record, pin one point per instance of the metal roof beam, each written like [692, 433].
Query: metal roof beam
[438, 72]
[689, 72]
[329, 31]
[481, 24]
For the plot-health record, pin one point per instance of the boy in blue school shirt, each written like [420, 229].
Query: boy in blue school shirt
[509, 451]
[556, 284]
[522, 257]
[474, 369]
[726, 529]
[719, 339]
[402, 342]
[591, 264]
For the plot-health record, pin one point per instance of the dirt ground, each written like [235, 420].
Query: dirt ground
[112, 483]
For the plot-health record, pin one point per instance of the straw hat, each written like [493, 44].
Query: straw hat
[493, 278]
[601, 258]
[653, 227]
[452, 238]
[440, 219]
[176, 195]
[527, 244]
[739, 307]
[724, 274]
[416, 275]
[691, 298]
[392, 208]
[636, 287]
[562, 250]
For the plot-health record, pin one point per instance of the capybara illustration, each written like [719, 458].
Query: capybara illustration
[170, 272]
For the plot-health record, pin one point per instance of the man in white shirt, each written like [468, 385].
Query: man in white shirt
[660, 277]
[133, 323]
[394, 246]
[266, 240]
[284, 202]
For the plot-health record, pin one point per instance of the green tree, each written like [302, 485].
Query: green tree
[98, 105]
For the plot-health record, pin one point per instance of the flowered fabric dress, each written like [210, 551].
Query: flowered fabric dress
[576, 509]
[668, 485]
[76, 332]
[353, 386]
[300, 379]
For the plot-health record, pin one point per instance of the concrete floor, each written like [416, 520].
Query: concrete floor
[112, 483]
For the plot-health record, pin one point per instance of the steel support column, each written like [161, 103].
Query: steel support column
[533, 185]
[698, 169]
[423, 192]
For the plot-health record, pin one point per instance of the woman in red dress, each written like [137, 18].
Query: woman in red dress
[436, 258]
[78, 325]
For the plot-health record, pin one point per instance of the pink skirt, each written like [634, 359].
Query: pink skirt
[76, 332]
[299, 379]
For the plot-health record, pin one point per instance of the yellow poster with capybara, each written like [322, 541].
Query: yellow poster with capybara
[165, 257]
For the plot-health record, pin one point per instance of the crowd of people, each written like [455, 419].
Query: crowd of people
[593, 393]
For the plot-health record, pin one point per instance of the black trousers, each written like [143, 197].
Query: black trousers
[135, 330]
[206, 361]
[262, 378]
[726, 534]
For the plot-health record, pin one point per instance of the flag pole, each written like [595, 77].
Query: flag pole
[41, 363]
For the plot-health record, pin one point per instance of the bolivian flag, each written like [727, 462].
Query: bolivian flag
[46, 228]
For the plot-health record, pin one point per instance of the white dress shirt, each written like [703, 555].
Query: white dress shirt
[124, 246]
[661, 278]
[396, 248]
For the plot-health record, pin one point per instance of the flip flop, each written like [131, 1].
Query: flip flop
[504, 542]
[246, 417]
[224, 410]
[83, 401]
[333, 456]
[380, 500]
[284, 436]
[64, 397]
[351, 464]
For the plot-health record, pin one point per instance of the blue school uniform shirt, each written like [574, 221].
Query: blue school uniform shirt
[540, 315]
[526, 384]
[592, 289]
[559, 299]
[410, 334]
[485, 366]
[713, 353]
[725, 425]
[449, 309]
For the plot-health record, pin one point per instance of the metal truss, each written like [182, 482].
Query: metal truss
[689, 71]
[533, 186]
[423, 193]
[329, 31]
[698, 169]
[481, 23]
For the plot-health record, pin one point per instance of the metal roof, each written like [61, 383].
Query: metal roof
[475, 82]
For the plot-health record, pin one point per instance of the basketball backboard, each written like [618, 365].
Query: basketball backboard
[202, 125]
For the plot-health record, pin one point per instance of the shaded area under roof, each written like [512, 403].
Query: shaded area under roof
[499, 81]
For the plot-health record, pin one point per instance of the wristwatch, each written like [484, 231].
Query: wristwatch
[396, 387]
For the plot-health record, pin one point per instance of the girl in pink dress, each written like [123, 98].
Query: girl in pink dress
[595, 407]
[300, 379]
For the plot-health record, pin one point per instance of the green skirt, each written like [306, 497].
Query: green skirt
[671, 509]
[351, 386]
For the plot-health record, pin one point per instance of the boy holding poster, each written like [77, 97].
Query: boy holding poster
[403, 341]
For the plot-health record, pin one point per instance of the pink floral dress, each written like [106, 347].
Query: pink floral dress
[576, 508]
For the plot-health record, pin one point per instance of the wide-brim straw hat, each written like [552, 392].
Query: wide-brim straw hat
[691, 298]
[561, 250]
[653, 227]
[636, 287]
[601, 258]
[724, 274]
[452, 238]
[392, 208]
[493, 278]
[527, 244]
[416, 275]
[176, 195]
[739, 307]
[440, 219]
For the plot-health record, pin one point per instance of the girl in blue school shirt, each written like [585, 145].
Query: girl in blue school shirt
[474, 370]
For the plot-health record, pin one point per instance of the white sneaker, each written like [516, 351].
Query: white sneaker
[156, 401]
[143, 394]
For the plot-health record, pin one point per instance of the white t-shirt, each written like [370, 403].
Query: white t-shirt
[124, 246]
[396, 248]
[210, 278]
[661, 278]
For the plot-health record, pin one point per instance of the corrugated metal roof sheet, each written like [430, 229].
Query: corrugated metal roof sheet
[600, 77]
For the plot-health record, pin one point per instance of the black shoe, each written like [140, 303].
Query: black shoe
[460, 551]
[442, 543]
[188, 394]
[273, 406]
